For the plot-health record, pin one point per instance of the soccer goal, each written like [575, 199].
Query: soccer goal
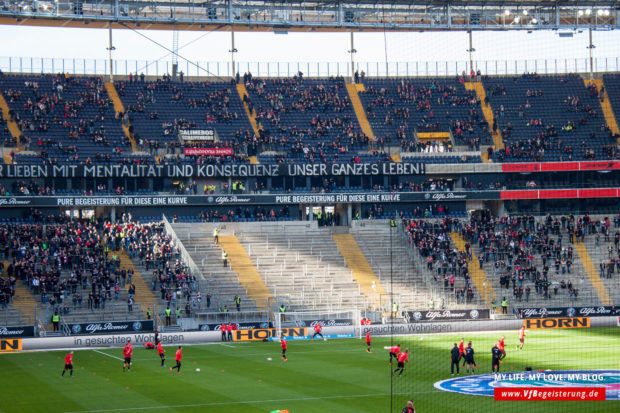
[309, 319]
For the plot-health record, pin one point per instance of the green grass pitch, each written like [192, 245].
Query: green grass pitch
[334, 376]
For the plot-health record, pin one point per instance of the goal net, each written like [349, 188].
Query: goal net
[349, 320]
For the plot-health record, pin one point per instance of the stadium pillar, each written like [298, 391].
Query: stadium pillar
[349, 214]
[591, 47]
[113, 215]
[471, 51]
[110, 49]
[233, 50]
[352, 51]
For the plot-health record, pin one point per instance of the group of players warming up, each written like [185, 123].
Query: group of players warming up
[401, 357]
[498, 353]
[458, 352]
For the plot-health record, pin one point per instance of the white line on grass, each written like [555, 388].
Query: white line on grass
[227, 345]
[109, 355]
[181, 406]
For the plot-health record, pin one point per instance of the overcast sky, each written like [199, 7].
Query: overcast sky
[20, 41]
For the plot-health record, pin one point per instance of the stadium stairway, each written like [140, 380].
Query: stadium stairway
[360, 112]
[477, 274]
[253, 160]
[363, 274]
[242, 91]
[249, 276]
[144, 295]
[118, 107]
[608, 112]
[396, 157]
[23, 300]
[592, 273]
[478, 87]
[302, 267]
[13, 128]
[409, 286]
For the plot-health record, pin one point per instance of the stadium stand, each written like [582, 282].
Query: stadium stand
[308, 120]
[158, 110]
[550, 118]
[610, 94]
[65, 119]
[403, 111]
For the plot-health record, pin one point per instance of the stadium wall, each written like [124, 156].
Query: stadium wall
[201, 337]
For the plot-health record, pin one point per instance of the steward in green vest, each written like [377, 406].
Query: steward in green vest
[168, 312]
[504, 306]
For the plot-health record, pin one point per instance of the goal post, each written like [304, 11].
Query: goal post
[340, 318]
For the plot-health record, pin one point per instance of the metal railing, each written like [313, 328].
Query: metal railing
[38, 65]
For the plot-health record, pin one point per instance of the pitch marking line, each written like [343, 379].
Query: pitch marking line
[109, 355]
[180, 406]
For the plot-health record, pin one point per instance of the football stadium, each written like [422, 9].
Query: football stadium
[322, 206]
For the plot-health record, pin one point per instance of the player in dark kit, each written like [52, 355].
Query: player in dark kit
[127, 352]
[178, 357]
[394, 352]
[469, 357]
[368, 342]
[496, 355]
[68, 365]
[160, 351]
[409, 408]
[402, 358]
[455, 356]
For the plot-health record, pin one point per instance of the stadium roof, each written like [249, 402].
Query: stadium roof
[346, 15]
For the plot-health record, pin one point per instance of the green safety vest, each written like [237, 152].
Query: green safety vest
[504, 303]
[148, 314]
[225, 309]
[178, 312]
[393, 223]
[237, 300]
[168, 311]
[55, 318]
[282, 309]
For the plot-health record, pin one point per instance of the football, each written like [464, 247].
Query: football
[324, 339]
[268, 358]
[198, 370]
